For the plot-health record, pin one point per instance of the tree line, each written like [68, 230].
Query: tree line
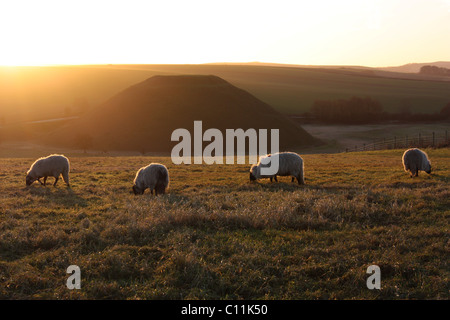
[365, 110]
[353, 110]
[434, 70]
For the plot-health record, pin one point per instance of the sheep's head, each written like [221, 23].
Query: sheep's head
[428, 170]
[253, 173]
[137, 190]
[29, 180]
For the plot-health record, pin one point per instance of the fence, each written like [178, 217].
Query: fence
[418, 141]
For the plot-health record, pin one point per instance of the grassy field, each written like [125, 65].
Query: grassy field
[339, 137]
[215, 235]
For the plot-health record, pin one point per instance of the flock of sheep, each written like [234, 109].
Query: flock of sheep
[155, 176]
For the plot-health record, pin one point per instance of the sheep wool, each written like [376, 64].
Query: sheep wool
[415, 160]
[52, 166]
[155, 176]
[290, 164]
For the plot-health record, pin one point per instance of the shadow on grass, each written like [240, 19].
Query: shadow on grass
[294, 186]
[172, 197]
[440, 177]
[415, 183]
[271, 186]
[63, 196]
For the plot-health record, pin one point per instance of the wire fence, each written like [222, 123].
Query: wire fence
[433, 140]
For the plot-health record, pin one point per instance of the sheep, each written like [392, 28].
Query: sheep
[53, 165]
[154, 176]
[415, 160]
[290, 164]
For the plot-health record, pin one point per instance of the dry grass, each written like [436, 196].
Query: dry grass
[215, 235]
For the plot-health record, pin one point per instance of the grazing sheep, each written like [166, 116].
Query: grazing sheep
[154, 176]
[54, 165]
[415, 160]
[290, 164]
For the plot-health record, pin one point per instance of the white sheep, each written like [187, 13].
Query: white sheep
[54, 165]
[415, 160]
[154, 176]
[289, 164]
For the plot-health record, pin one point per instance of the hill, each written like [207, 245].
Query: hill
[143, 117]
[39, 93]
[415, 67]
[294, 90]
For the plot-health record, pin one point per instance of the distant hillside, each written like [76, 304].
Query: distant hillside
[434, 70]
[415, 67]
[39, 93]
[143, 117]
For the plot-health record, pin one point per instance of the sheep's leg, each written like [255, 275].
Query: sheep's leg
[66, 178]
[293, 179]
[416, 173]
[45, 181]
[151, 191]
[301, 178]
[275, 177]
[156, 191]
[271, 179]
[56, 181]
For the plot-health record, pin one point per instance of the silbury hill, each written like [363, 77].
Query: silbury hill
[143, 116]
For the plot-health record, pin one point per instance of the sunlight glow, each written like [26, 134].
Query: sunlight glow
[348, 32]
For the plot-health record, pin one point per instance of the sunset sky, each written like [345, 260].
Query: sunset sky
[371, 33]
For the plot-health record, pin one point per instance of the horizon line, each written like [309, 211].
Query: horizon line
[217, 63]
